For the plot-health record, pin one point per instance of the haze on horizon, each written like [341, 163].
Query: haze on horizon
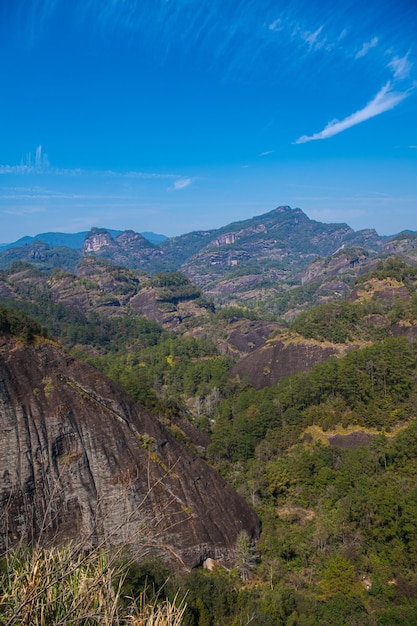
[178, 115]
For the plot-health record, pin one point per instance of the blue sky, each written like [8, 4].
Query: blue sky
[180, 115]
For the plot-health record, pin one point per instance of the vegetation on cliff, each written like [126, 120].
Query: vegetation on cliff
[328, 458]
[17, 323]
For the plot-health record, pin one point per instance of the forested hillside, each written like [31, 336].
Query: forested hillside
[326, 456]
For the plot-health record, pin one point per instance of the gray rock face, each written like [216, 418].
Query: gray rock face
[80, 460]
[266, 365]
[96, 241]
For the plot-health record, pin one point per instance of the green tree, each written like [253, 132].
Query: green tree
[338, 577]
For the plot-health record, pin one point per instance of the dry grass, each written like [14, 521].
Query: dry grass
[60, 586]
[163, 613]
[318, 434]
[57, 586]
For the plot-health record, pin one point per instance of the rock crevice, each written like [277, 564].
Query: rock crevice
[80, 460]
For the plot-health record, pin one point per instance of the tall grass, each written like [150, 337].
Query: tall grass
[62, 586]
[69, 585]
[164, 613]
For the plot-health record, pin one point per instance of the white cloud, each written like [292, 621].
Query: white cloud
[21, 212]
[342, 34]
[182, 183]
[266, 153]
[383, 101]
[366, 47]
[275, 25]
[135, 174]
[45, 168]
[401, 67]
[16, 169]
[312, 38]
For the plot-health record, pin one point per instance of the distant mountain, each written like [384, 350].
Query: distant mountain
[154, 237]
[104, 290]
[72, 240]
[253, 260]
[282, 241]
[42, 255]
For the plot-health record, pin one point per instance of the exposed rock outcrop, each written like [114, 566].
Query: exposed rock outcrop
[79, 459]
[129, 248]
[350, 441]
[265, 366]
[96, 241]
[102, 289]
[386, 290]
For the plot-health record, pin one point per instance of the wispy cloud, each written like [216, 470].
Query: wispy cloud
[262, 154]
[22, 211]
[276, 25]
[35, 194]
[136, 174]
[366, 47]
[383, 101]
[342, 35]
[16, 169]
[401, 67]
[313, 38]
[182, 183]
[236, 37]
[25, 170]
[43, 167]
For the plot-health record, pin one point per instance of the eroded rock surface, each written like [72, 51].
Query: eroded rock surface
[79, 459]
[278, 358]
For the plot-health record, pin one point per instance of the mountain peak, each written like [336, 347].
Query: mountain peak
[96, 239]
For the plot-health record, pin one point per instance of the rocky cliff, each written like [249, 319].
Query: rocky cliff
[104, 290]
[282, 239]
[129, 249]
[80, 460]
[271, 246]
[278, 358]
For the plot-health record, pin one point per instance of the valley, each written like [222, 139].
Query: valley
[247, 398]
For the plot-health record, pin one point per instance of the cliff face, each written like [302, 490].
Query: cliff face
[101, 289]
[273, 246]
[128, 248]
[266, 365]
[79, 459]
[282, 239]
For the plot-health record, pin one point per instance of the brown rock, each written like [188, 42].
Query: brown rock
[279, 358]
[79, 459]
[350, 441]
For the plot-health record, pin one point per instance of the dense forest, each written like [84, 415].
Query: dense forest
[328, 458]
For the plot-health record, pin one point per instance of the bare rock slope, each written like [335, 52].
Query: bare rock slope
[79, 459]
[278, 358]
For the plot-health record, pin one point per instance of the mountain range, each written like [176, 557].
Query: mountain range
[244, 262]
[283, 239]
[278, 350]
[71, 240]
